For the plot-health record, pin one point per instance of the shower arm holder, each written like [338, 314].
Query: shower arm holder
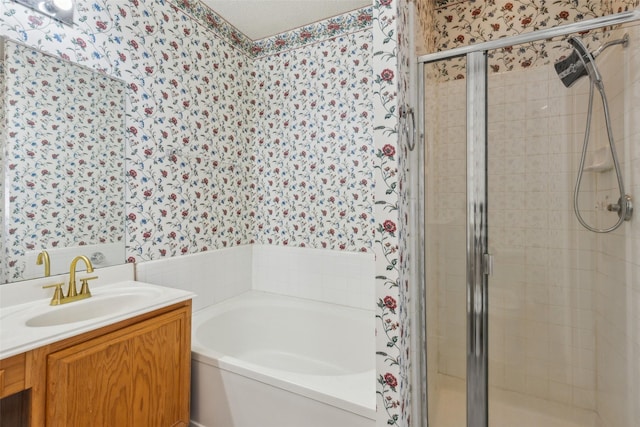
[618, 207]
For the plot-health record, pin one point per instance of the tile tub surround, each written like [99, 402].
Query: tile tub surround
[337, 277]
[213, 275]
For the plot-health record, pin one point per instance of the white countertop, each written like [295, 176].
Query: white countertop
[26, 326]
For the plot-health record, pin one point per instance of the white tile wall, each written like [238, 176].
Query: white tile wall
[541, 248]
[338, 277]
[617, 280]
[213, 275]
[345, 278]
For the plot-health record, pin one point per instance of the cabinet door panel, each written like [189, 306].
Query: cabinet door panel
[131, 377]
[156, 378]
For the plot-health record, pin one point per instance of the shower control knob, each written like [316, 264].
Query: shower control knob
[618, 207]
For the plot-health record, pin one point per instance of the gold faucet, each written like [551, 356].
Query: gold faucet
[43, 257]
[72, 292]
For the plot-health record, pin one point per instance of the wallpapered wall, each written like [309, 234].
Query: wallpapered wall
[314, 152]
[188, 104]
[197, 137]
[460, 23]
[390, 87]
[3, 140]
[195, 109]
[65, 152]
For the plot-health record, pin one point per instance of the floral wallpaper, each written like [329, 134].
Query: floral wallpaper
[460, 23]
[192, 142]
[211, 128]
[391, 385]
[318, 31]
[217, 24]
[425, 35]
[324, 30]
[188, 109]
[404, 215]
[3, 141]
[65, 155]
[314, 154]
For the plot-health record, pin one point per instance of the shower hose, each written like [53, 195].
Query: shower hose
[623, 207]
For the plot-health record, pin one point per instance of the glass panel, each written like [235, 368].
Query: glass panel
[445, 245]
[563, 301]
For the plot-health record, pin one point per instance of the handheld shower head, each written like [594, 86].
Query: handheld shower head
[578, 64]
[572, 68]
[581, 63]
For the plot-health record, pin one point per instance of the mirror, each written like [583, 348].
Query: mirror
[62, 133]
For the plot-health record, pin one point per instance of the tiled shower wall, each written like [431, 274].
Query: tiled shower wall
[564, 302]
[616, 294]
[542, 303]
[542, 327]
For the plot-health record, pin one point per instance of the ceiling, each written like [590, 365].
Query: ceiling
[258, 19]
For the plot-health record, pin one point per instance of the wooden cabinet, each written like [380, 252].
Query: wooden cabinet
[14, 401]
[12, 372]
[134, 373]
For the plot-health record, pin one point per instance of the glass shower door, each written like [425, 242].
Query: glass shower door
[562, 302]
[552, 287]
[445, 230]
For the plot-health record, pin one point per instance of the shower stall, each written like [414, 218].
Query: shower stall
[530, 298]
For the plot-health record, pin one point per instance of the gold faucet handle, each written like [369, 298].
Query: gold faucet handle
[84, 290]
[58, 295]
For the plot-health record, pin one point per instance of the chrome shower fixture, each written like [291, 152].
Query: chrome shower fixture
[578, 64]
[62, 10]
[572, 68]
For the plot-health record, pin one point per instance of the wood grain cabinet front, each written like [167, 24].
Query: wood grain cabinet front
[12, 373]
[135, 376]
[14, 401]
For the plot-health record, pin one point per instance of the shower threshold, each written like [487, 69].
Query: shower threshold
[506, 409]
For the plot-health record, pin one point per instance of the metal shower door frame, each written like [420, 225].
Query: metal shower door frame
[479, 261]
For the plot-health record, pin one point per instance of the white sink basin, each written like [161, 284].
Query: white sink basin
[102, 304]
[31, 325]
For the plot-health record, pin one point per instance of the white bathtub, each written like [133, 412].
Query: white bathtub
[265, 360]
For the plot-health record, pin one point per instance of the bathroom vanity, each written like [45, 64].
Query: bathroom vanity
[118, 355]
[130, 367]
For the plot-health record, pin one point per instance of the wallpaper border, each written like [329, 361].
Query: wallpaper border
[326, 29]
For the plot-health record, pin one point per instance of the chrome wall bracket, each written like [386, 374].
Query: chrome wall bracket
[618, 207]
